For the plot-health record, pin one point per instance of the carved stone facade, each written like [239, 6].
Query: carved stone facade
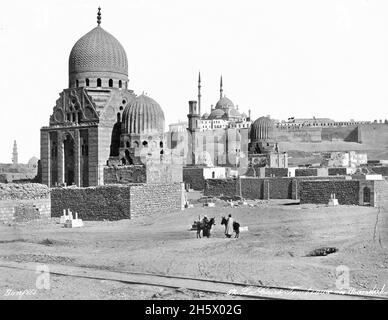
[87, 127]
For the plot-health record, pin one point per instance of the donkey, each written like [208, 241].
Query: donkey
[236, 226]
[204, 227]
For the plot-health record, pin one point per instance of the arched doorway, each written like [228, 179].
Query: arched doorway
[68, 145]
[366, 199]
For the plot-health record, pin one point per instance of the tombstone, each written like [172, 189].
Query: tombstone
[74, 223]
[64, 218]
[333, 201]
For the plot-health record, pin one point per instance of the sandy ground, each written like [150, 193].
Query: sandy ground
[272, 252]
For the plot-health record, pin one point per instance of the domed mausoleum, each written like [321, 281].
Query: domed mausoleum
[262, 129]
[97, 119]
[262, 136]
[142, 130]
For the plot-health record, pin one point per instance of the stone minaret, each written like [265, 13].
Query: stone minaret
[221, 90]
[15, 153]
[199, 93]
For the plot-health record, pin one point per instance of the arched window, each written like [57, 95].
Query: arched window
[145, 144]
[98, 82]
[120, 83]
[110, 83]
[161, 144]
[87, 82]
[127, 144]
[76, 83]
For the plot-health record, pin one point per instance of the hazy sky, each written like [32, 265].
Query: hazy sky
[282, 58]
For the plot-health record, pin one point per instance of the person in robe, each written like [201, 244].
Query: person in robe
[205, 231]
[229, 227]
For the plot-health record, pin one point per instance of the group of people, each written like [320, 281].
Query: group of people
[228, 227]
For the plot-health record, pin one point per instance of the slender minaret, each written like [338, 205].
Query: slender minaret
[99, 16]
[199, 93]
[15, 153]
[221, 90]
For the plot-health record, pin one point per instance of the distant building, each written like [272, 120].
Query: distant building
[18, 172]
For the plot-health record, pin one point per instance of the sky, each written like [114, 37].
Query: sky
[282, 58]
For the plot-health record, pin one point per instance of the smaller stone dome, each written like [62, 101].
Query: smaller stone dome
[143, 115]
[205, 116]
[216, 114]
[234, 113]
[224, 103]
[262, 129]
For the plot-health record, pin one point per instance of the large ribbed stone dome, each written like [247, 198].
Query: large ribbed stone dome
[98, 54]
[262, 129]
[143, 115]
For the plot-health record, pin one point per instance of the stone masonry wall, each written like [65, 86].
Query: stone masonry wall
[110, 202]
[149, 199]
[24, 202]
[252, 188]
[125, 174]
[381, 194]
[116, 202]
[276, 172]
[280, 188]
[306, 172]
[319, 191]
[218, 187]
[337, 171]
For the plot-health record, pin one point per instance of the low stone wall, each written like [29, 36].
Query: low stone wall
[252, 188]
[305, 172]
[280, 188]
[337, 171]
[218, 187]
[149, 199]
[276, 172]
[24, 202]
[319, 191]
[116, 202]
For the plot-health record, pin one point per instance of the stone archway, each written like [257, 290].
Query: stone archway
[69, 147]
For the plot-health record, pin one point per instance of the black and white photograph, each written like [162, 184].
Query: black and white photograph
[205, 153]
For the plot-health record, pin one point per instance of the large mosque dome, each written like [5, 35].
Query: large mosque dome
[98, 55]
[143, 115]
[224, 103]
